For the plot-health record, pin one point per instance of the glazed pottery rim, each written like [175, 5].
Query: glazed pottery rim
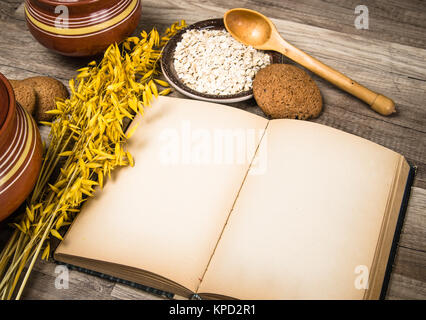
[169, 73]
[11, 103]
[71, 3]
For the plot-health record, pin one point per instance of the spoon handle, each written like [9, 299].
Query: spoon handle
[376, 101]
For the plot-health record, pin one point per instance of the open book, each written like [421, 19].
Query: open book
[226, 204]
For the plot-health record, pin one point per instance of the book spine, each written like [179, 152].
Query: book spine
[398, 230]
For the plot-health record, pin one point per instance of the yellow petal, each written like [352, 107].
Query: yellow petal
[162, 83]
[131, 131]
[56, 234]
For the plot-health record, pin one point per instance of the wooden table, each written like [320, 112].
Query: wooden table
[389, 57]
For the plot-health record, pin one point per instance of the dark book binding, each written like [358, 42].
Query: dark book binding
[398, 230]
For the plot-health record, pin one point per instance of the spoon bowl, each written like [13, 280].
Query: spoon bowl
[254, 29]
[249, 27]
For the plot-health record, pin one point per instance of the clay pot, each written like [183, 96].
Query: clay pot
[20, 151]
[91, 26]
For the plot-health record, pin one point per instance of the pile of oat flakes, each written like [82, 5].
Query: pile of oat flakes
[213, 62]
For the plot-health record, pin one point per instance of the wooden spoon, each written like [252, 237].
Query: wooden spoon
[254, 29]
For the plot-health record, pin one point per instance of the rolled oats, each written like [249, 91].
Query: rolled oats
[213, 62]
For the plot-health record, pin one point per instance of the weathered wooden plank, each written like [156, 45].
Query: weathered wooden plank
[8, 9]
[26, 56]
[413, 233]
[410, 263]
[81, 286]
[409, 275]
[125, 292]
[395, 21]
[405, 288]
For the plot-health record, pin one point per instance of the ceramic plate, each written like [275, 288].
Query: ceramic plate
[170, 74]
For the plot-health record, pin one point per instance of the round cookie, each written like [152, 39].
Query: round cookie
[25, 95]
[285, 91]
[47, 89]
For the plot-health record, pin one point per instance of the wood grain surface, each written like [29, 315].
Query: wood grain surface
[389, 58]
